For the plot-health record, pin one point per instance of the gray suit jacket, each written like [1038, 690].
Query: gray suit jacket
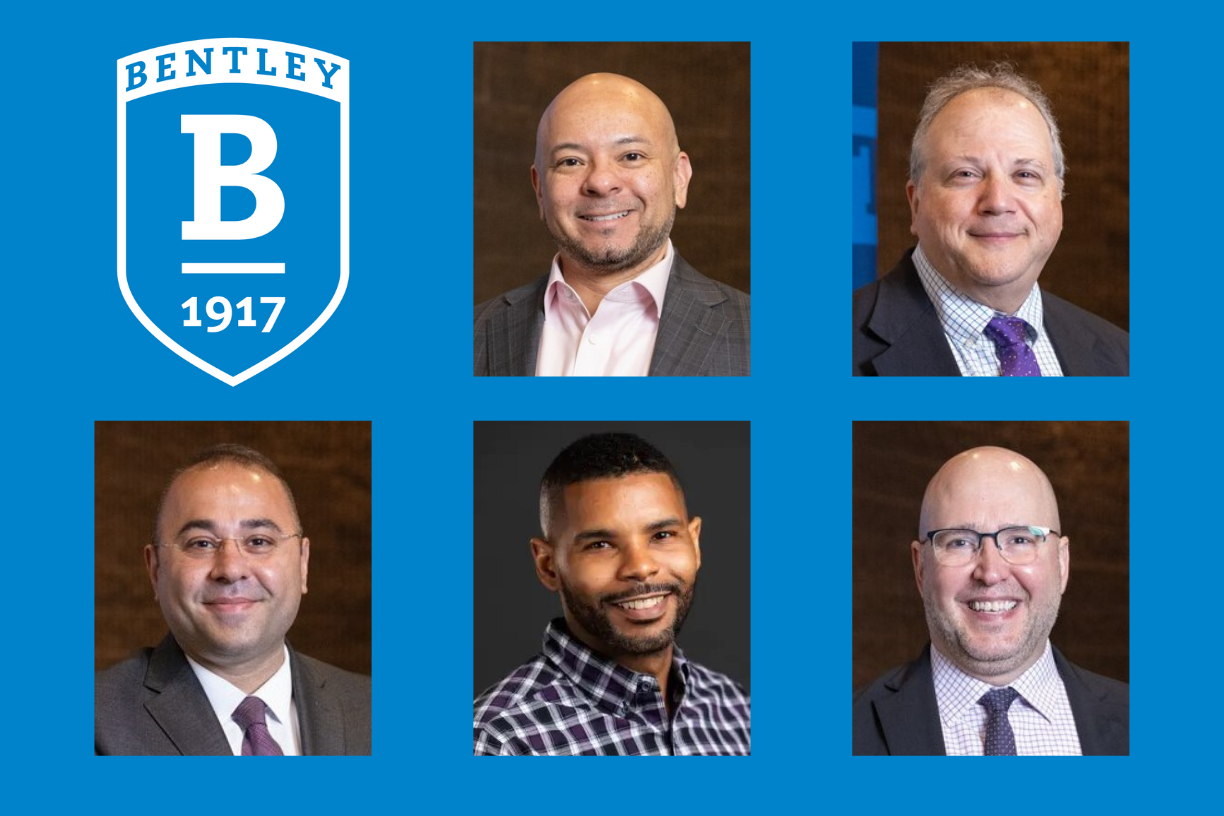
[897, 715]
[703, 330]
[152, 704]
[897, 333]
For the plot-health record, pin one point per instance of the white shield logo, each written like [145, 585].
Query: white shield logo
[233, 198]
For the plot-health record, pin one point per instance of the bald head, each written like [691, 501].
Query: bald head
[604, 98]
[980, 485]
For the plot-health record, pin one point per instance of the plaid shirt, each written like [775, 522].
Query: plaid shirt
[569, 700]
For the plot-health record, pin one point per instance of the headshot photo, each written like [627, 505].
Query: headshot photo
[991, 589]
[611, 589]
[611, 224]
[232, 599]
[1002, 205]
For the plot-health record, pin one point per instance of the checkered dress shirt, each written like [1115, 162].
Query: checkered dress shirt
[1041, 716]
[964, 323]
[569, 700]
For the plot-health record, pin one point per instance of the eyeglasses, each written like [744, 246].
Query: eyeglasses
[257, 544]
[1017, 545]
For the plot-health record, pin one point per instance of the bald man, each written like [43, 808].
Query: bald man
[985, 193]
[619, 300]
[991, 565]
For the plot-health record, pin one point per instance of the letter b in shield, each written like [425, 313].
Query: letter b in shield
[233, 198]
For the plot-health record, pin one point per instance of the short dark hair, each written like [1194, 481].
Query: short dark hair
[225, 452]
[600, 456]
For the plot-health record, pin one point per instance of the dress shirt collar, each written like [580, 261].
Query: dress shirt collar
[963, 318]
[649, 287]
[958, 693]
[610, 685]
[224, 696]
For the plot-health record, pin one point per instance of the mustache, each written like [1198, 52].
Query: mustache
[641, 589]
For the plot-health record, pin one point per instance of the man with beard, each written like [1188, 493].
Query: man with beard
[608, 176]
[991, 566]
[619, 547]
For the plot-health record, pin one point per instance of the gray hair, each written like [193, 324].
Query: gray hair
[969, 78]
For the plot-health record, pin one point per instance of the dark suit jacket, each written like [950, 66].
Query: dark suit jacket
[703, 330]
[897, 333]
[152, 704]
[897, 714]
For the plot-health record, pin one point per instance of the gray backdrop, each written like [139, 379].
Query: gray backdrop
[512, 607]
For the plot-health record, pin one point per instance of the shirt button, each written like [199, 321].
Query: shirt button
[593, 339]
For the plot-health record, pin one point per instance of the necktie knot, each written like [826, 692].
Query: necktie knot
[1016, 359]
[1000, 739]
[251, 716]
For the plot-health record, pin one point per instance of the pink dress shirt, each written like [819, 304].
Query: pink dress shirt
[618, 341]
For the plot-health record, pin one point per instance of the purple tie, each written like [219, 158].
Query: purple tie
[1016, 359]
[257, 741]
[1000, 740]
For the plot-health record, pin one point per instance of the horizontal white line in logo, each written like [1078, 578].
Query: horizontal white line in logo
[233, 269]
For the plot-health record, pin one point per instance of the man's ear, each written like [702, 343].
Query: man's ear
[536, 182]
[694, 528]
[916, 552]
[545, 564]
[151, 564]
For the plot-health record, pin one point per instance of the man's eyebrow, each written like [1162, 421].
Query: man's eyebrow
[211, 526]
[664, 524]
[623, 140]
[594, 535]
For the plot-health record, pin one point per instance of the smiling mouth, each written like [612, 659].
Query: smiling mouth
[642, 603]
[611, 217]
[992, 606]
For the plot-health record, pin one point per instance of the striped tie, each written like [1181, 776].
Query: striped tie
[256, 740]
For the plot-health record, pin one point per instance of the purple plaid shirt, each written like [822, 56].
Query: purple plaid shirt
[569, 700]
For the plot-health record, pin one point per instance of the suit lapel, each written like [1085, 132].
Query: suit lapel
[1102, 731]
[181, 708]
[320, 720]
[514, 332]
[905, 318]
[909, 718]
[1075, 349]
[689, 328]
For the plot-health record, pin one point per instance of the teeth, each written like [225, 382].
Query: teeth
[992, 606]
[645, 603]
[605, 217]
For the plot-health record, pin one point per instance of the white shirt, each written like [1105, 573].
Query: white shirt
[1040, 717]
[618, 340]
[277, 694]
[964, 324]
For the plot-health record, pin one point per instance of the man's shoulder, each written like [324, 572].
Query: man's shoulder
[125, 678]
[1065, 312]
[525, 701]
[335, 678]
[709, 683]
[714, 292]
[492, 307]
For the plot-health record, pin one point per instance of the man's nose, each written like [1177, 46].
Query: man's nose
[996, 196]
[229, 562]
[637, 563]
[990, 568]
[602, 179]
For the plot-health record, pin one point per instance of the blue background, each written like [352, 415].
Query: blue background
[398, 351]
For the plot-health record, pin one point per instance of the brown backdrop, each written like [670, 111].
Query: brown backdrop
[1088, 464]
[704, 85]
[328, 466]
[1089, 87]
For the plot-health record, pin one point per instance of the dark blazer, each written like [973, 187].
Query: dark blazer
[703, 330]
[897, 714]
[897, 333]
[152, 704]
